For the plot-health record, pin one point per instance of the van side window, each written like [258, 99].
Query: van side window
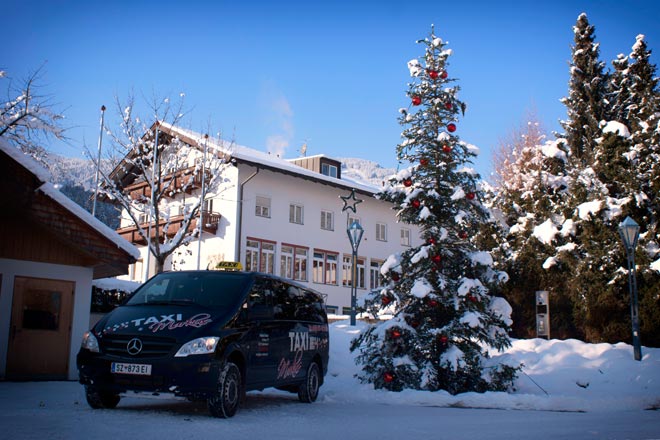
[285, 301]
[310, 307]
[260, 299]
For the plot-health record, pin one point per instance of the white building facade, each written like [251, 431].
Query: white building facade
[286, 217]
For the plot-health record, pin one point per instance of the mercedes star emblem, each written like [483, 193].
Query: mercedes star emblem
[134, 346]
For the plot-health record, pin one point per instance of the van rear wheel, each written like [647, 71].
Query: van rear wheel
[225, 401]
[309, 389]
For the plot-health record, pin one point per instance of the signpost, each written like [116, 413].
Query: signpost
[542, 314]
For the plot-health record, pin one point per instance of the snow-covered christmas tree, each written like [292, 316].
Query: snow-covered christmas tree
[445, 318]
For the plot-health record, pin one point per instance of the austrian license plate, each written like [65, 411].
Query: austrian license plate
[139, 369]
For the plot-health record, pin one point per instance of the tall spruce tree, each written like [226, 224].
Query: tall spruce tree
[445, 318]
[595, 243]
[643, 171]
[587, 89]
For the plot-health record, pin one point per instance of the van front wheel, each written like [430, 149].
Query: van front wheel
[100, 399]
[309, 389]
[224, 403]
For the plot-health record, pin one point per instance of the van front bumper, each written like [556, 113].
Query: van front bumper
[193, 377]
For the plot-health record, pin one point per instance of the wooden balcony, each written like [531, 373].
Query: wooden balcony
[183, 181]
[210, 221]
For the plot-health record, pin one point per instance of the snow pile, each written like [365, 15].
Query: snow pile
[557, 376]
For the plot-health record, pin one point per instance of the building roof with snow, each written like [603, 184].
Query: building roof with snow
[241, 154]
[34, 204]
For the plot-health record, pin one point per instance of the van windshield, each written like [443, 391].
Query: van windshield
[208, 289]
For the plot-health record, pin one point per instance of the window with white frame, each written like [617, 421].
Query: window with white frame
[324, 267]
[374, 274]
[405, 237]
[185, 208]
[252, 249]
[262, 208]
[300, 264]
[327, 221]
[295, 213]
[381, 231]
[360, 268]
[267, 257]
[260, 255]
[347, 272]
[293, 262]
[329, 170]
[352, 219]
[286, 261]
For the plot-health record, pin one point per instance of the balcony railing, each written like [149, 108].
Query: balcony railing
[184, 180]
[210, 221]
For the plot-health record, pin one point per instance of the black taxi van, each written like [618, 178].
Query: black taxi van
[210, 335]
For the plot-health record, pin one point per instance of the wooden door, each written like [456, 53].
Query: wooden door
[40, 332]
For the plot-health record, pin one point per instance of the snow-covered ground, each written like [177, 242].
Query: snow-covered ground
[569, 390]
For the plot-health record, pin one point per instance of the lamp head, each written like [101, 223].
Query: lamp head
[629, 231]
[355, 233]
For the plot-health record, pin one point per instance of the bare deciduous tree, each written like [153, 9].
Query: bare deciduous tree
[514, 154]
[27, 117]
[161, 179]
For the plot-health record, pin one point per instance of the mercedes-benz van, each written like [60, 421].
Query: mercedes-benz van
[209, 335]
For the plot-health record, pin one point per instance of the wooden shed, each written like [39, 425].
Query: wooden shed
[50, 251]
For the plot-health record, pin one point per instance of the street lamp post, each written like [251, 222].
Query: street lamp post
[355, 233]
[629, 231]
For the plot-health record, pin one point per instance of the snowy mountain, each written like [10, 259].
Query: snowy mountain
[81, 172]
[365, 171]
[72, 171]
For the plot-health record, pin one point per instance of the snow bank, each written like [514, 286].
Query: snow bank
[557, 376]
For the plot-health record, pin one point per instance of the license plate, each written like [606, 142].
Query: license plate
[139, 369]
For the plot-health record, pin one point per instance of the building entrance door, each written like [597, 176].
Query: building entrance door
[40, 331]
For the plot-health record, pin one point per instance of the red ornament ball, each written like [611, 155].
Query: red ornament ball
[407, 183]
[447, 148]
[395, 333]
[433, 74]
[451, 127]
[443, 339]
[449, 105]
[431, 241]
[416, 100]
[416, 203]
[414, 324]
[470, 196]
[473, 298]
[385, 300]
[462, 235]
[436, 259]
[444, 74]
[433, 303]
[388, 377]
[424, 162]
[395, 276]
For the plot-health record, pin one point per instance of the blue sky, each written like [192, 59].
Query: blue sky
[332, 74]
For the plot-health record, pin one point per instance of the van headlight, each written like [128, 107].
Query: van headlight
[89, 342]
[198, 346]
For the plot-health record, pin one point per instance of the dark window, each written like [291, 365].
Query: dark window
[41, 310]
[210, 289]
